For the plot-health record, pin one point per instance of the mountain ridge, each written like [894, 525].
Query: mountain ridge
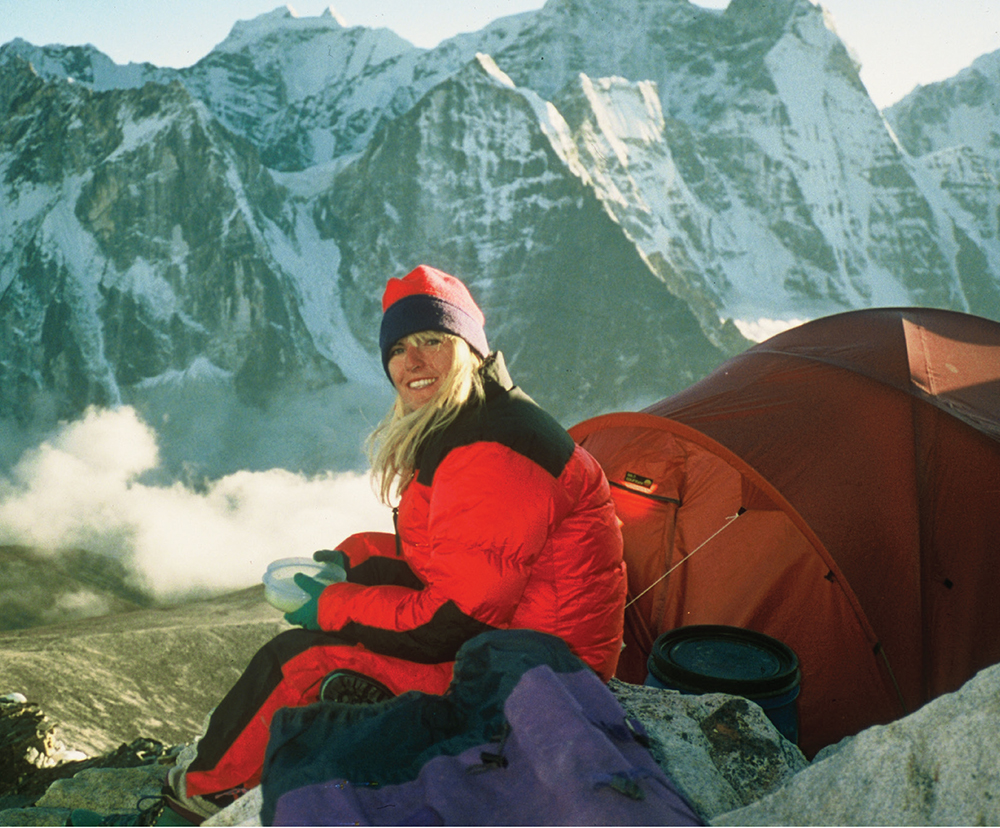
[730, 161]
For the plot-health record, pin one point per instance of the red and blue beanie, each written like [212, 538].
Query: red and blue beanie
[427, 299]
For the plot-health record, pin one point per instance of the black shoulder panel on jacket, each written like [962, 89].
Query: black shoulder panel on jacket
[508, 417]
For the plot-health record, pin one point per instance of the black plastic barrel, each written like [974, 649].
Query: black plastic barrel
[711, 658]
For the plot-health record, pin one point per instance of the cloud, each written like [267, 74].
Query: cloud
[81, 488]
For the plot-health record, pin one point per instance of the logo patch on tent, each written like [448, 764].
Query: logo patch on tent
[638, 480]
[643, 487]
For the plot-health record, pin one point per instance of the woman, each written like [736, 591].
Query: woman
[503, 523]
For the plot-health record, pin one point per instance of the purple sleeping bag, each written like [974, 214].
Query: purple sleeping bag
[569, 757]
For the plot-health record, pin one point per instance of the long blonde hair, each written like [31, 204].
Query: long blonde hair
[393, 446]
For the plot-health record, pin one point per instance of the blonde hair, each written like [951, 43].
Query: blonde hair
[393, 446]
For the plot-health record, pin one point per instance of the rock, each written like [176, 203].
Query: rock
[35, 816]
[937, 766]
[27, 741]
[107, 790]
[244, 811]
[123, 784]
[721, 751]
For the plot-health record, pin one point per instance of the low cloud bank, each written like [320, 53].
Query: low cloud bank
[81, 488]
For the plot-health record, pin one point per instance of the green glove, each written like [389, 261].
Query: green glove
[307, 616]
[334, 556]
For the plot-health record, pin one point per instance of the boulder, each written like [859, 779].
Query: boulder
[937, 766]
[244, 811]
[123, 784]
[107, 790]
[722, 752]
[27, 740]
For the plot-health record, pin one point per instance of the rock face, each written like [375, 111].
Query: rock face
[173, 265]
[937, 766]
[614, 179]
[540, 294]
[953, 129]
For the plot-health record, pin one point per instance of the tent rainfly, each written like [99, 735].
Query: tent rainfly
[836, 487]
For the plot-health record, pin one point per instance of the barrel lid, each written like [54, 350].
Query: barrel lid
[711, 658]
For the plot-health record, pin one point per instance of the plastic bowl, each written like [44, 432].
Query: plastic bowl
[281, 592]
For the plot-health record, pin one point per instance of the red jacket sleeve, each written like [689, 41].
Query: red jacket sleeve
[489, 513]
[364, 545]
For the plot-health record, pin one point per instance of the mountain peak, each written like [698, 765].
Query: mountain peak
[246, 32]
[330, 11]
[80, 64]
[764, 16]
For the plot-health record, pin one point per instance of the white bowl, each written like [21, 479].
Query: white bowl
[280, 590]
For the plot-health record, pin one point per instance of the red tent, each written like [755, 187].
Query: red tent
[836, 487]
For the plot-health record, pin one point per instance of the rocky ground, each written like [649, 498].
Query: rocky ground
[96, 711]
[151, 673]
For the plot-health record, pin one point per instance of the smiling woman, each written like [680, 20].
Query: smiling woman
[418, 365]
[503, 522]
[433, 346]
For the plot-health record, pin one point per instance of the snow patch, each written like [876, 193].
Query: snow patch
[759, 330]
[201, 369]
[493, 71]
[312, 264]
[63, 239]
[140, 133]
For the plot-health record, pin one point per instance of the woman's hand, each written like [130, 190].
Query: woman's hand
[334, 556]
[306, 616]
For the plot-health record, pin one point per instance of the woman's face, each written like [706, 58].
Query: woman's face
[418, 366]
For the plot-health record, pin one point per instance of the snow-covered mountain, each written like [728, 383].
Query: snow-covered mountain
[952, 128]
[626, 186]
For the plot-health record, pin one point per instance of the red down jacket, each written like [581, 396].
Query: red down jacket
[507, 524]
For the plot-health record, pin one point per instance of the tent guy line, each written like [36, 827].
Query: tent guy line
[729, 522]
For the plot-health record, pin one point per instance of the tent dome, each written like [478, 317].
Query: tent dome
[836, 487]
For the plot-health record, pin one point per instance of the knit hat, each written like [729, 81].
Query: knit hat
[427, 299]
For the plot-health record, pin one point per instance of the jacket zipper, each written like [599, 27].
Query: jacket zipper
[395, 529]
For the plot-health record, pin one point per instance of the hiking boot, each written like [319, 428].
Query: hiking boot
[195, 809]
[348, 687]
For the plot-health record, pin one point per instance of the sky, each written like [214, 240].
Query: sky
[899, 43]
